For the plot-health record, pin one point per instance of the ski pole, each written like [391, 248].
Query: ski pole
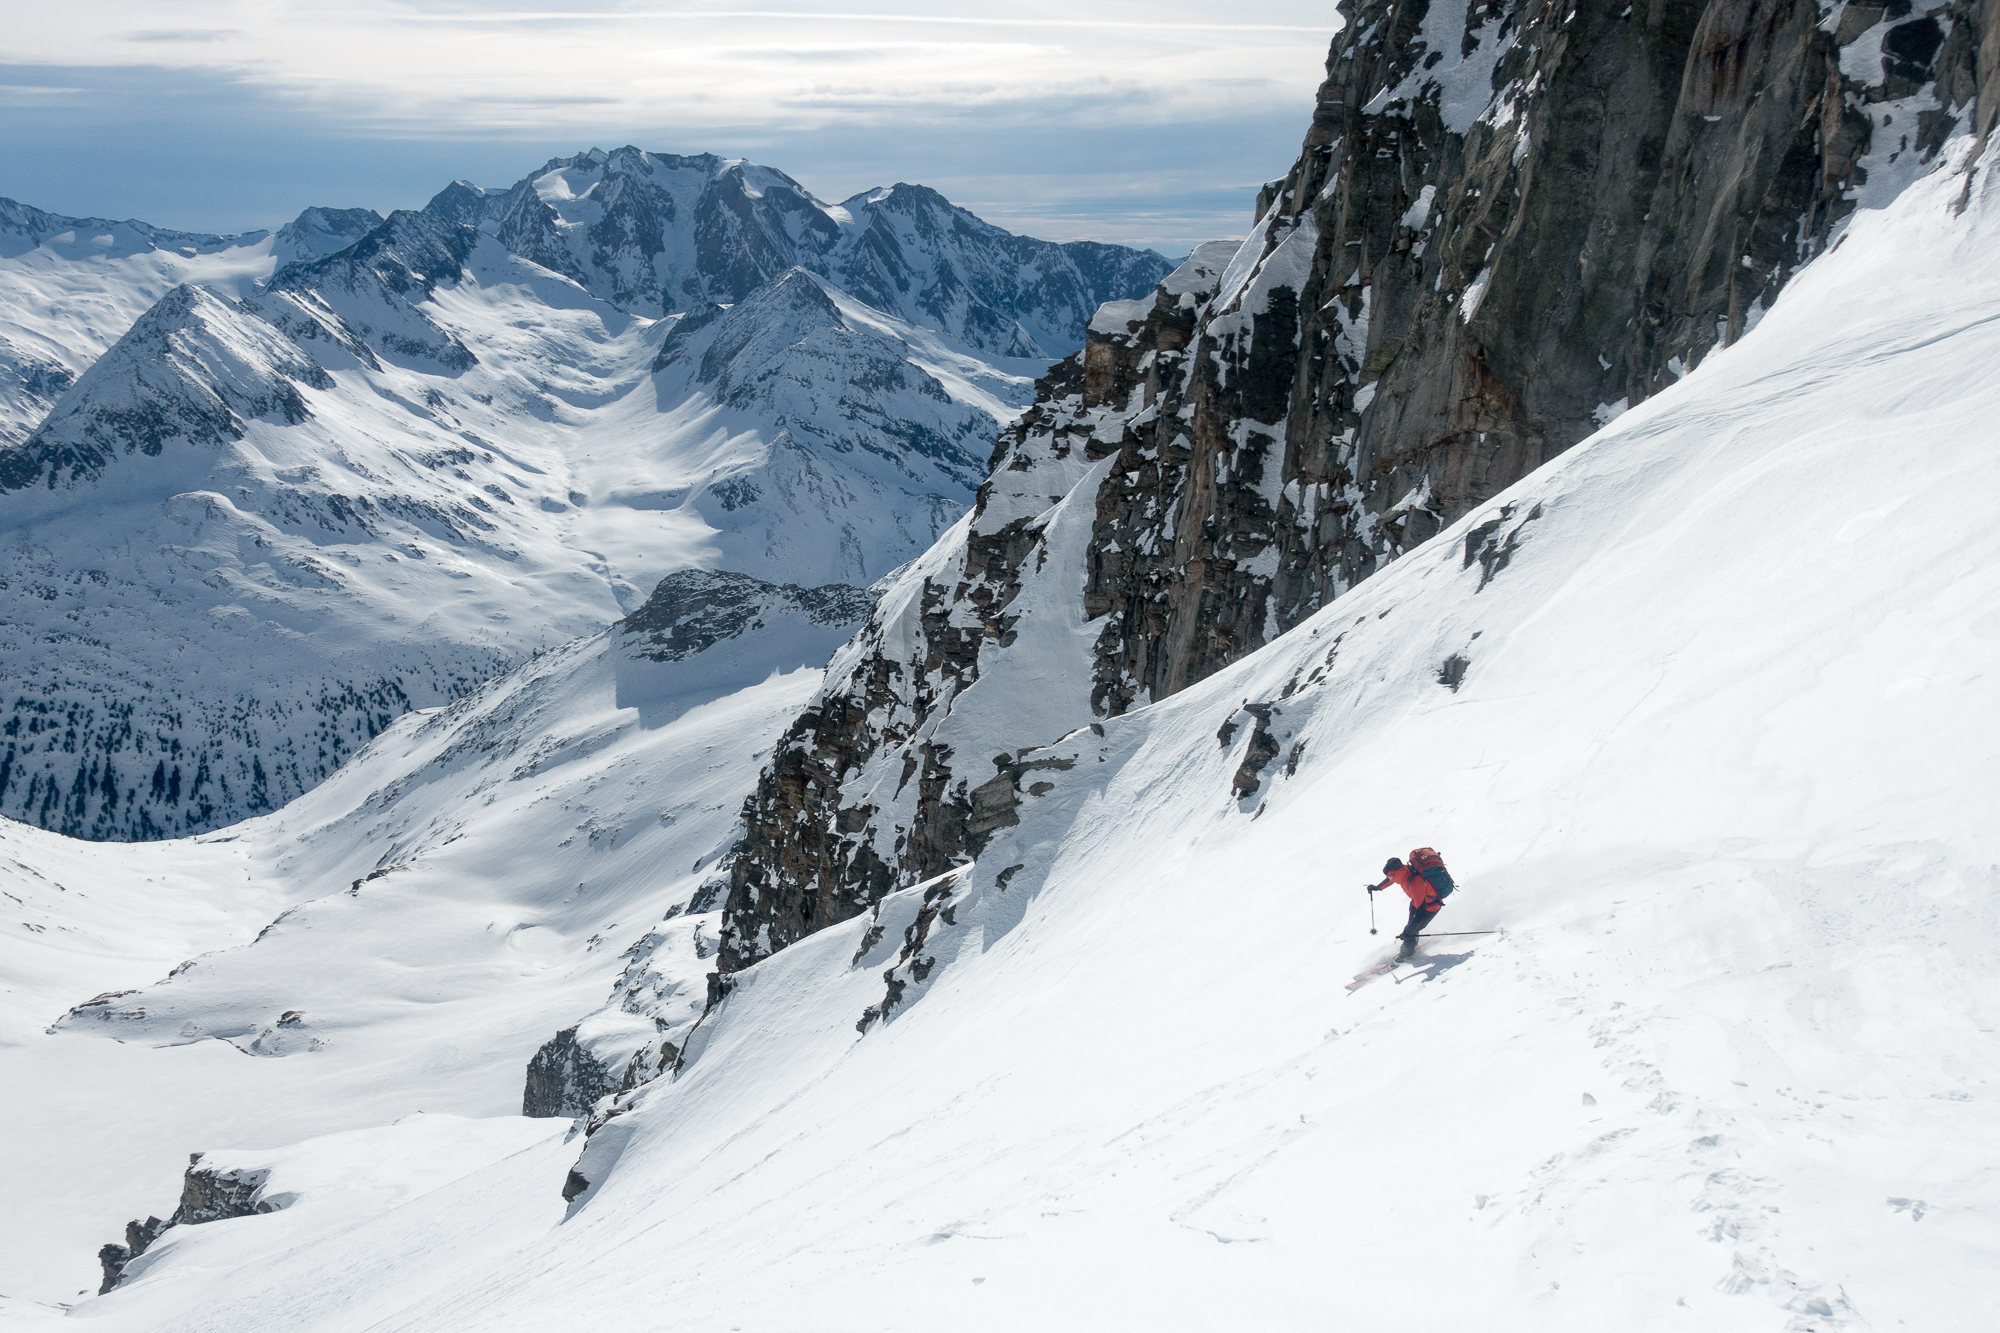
[1371, 909]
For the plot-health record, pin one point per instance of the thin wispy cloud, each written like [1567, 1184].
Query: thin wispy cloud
[843, 53]
[181, 35]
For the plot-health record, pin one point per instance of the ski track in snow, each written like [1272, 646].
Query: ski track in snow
[1721, 762]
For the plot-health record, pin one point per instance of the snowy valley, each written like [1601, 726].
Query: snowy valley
[260, 527]
[935, 898]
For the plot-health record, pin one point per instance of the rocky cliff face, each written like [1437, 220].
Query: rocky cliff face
[1509, 222]
[1529, 217]
[208, 1194]
[693, 611]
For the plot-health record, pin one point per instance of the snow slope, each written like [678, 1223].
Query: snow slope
[400, 940]
[1700, 714]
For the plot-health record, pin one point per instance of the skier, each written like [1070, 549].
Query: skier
[1427, 883]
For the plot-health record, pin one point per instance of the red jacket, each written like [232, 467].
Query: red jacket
[1422, 893]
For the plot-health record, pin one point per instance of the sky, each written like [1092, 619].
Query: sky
[1150, 122]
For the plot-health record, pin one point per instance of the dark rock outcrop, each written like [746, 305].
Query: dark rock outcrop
[208, 1194]
[692, 610]
[1509, 222]
[564, 1079]
[139, 1237]
[1508, 225]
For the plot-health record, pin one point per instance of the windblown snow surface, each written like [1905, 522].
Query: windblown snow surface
[1717, 762]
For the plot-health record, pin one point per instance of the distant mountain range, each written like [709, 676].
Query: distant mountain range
[655, 232]
[294, 484]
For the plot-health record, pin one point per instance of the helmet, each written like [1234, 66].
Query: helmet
[1392, 865]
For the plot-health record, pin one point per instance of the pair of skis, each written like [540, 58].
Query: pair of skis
[1380, 970]
[1383, 969]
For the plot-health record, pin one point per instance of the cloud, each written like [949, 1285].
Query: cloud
[182, 34]
[427, 66]
[243, 102]
[531, 101]
[851, 53]
[30, 94]
[969, 18]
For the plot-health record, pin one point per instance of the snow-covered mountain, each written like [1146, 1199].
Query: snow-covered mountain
[71, 287]
[659, 232]
[264, 524]
[1008, 981]
[1727, 1061]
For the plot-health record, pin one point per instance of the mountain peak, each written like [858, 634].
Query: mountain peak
[193, 370]
[908, 197]
[321, 231]
[460, 201]
[656, 233]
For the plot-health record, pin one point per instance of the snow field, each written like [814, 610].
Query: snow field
[342, 1179]
[530, 834]
[82, 920]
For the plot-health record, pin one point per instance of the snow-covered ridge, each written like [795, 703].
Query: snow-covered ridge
[70, 287]
[660, 232]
